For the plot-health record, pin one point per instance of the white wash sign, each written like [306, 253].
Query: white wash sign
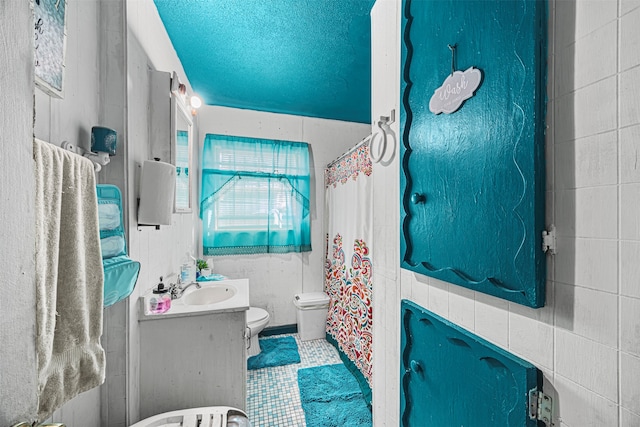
[457, 88]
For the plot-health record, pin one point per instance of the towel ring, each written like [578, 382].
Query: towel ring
[382, 146]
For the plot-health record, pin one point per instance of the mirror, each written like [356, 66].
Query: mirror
[181, 135]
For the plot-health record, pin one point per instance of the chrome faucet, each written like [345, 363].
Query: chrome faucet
[177, 289]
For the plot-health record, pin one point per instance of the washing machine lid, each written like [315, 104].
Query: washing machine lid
[256, 314]
[311, 299]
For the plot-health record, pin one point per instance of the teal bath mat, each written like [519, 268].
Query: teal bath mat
[275, 352]
[331, 397]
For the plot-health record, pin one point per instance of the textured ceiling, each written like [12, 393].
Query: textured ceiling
[301, 57]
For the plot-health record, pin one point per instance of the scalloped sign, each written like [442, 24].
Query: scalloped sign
[457, 88]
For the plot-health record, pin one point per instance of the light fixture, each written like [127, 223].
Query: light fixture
[195, 102]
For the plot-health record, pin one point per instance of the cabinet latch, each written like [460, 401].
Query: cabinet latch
[540, 406]
[549, 240]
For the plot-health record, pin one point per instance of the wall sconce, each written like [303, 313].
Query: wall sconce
[195, 102]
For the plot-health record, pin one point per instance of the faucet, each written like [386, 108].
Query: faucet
[176, 289]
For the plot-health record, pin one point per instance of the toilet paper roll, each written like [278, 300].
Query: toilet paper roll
[157, 192]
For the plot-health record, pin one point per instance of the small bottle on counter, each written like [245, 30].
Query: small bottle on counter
[160, 301]
[188, 269]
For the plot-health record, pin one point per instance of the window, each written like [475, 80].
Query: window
[255, 196]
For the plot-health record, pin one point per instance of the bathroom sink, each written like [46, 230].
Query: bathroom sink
[209, 295]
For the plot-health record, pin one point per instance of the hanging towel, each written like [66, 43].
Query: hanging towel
[69, 278]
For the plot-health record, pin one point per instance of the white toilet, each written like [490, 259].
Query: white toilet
[257, 320]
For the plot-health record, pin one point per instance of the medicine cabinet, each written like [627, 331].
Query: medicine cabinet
[171, 132]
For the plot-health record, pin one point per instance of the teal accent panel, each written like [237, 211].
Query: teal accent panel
[472, 182]
[451, 377]
[304, 57]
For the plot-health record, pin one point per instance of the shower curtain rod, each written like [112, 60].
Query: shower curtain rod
[364, 141]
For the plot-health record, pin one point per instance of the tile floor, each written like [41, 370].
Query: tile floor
[273, 397]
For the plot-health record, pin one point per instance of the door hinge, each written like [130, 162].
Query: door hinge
[540, 406]
[549, 240]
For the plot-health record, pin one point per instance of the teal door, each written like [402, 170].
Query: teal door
[472, 181]
[451, 377]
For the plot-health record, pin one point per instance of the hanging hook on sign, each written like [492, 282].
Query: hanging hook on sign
[453, 57]
[456, 89]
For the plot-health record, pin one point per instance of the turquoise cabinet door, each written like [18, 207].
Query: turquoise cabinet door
[451, 377]
[472, 181]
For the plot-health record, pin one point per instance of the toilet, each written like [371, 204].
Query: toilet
[257, 320]
[215, 416]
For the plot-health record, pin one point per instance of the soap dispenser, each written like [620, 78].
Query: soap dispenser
[160, 301]
[188, 269]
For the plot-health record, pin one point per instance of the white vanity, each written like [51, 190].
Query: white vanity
[195, 354]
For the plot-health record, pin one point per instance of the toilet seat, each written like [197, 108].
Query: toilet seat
[255, 315]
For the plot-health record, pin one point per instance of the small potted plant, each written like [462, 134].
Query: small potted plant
[203, 268]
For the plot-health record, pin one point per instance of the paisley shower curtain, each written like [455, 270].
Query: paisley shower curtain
[348, 268]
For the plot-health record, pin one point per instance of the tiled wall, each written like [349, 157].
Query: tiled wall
[586, 340]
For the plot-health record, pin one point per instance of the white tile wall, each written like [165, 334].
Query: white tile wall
[588, 313]
[419, 288]
[531, 339]
[585, 362]
[408, 292]
[439, 297]
[629, 87]
[630, 268]
[599, 41]
[492, 319]
[594, 109]
[565, 217]
[627, 6]
[578, 406]
[590, 15]
[462, 307]
[629, 419]
[630, 154]
[596, 213]
[587, 338]
[629, 218]
[596, 160]
[630, 40]
[630, 382]
[591, 263]
[630, 325]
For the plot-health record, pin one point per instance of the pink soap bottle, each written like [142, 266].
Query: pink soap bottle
[160, 301]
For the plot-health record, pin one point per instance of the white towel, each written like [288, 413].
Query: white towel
[69, 278]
